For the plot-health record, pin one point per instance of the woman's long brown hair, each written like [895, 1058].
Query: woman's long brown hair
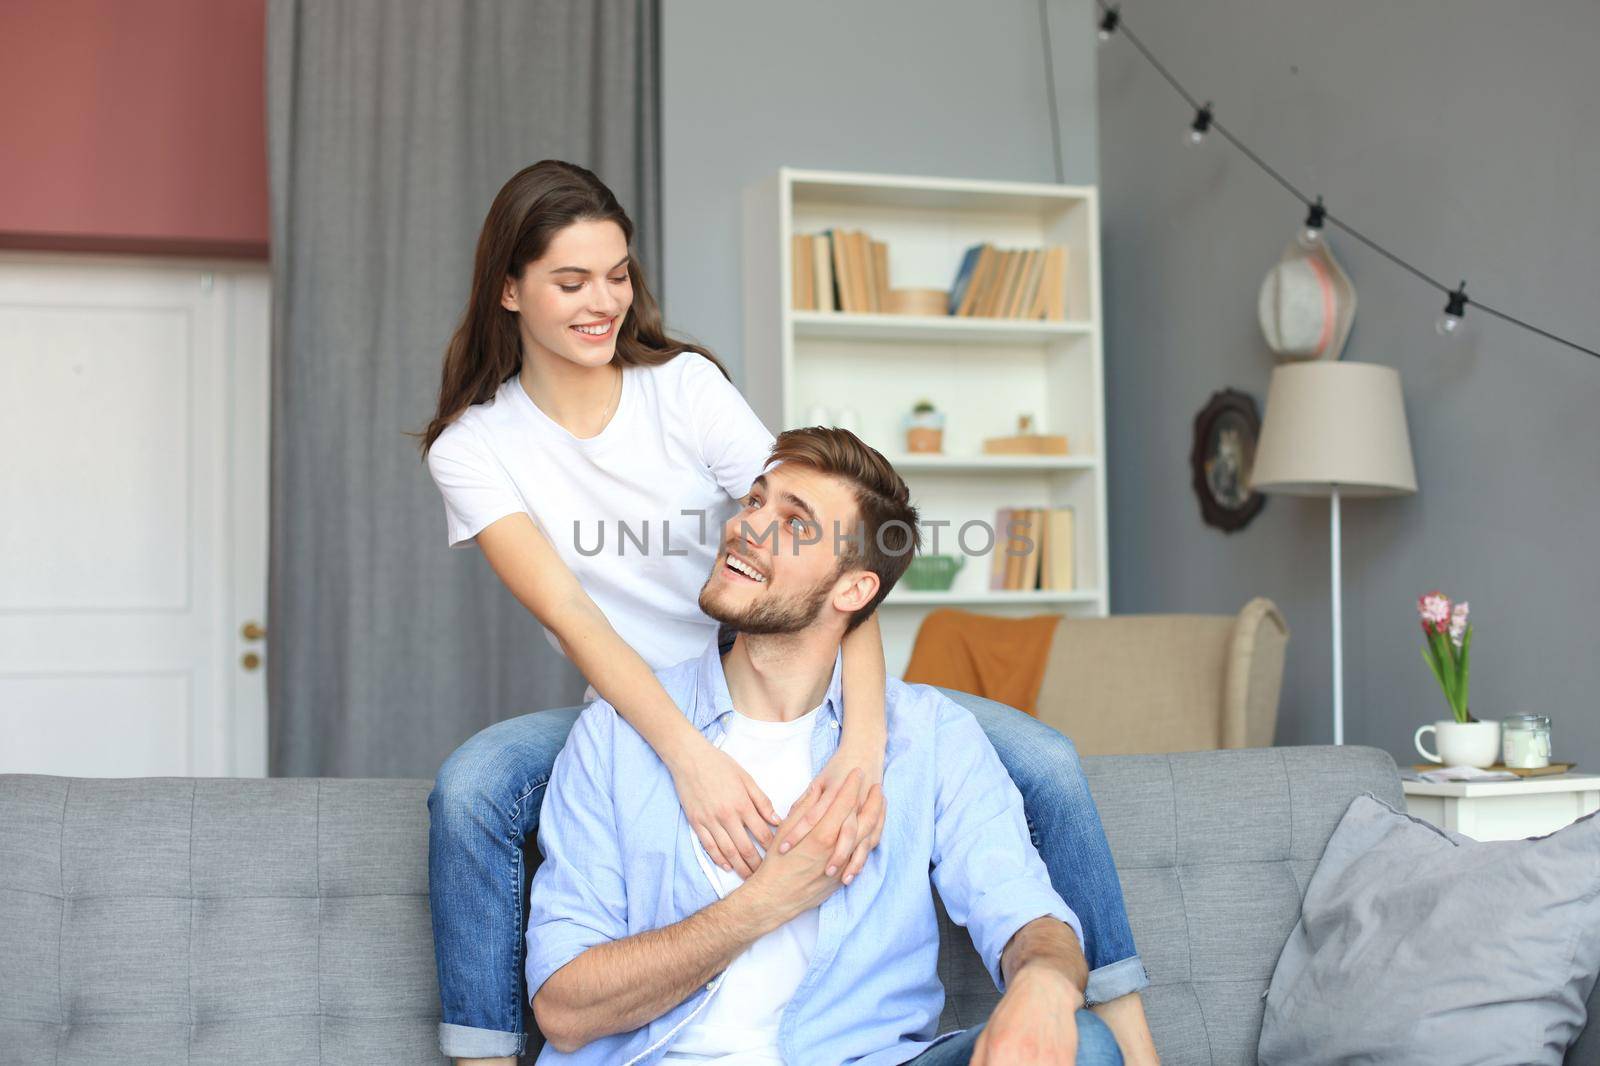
[537, 203]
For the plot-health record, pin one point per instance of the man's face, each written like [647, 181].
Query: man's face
[779, 565]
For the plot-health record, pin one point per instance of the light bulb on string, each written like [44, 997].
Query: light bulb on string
[1310, 236]
[1196, 133]
[1449, 321]
[1108, 23]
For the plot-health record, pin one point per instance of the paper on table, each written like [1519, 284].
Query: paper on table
[1464, 773]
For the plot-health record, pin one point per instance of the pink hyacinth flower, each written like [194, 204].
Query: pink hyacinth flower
[1458, 623]
[1434, 607]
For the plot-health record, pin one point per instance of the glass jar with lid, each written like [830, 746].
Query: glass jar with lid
[1525, 741]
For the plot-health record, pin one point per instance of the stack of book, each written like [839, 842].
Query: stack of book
[1029, 283]
[840, 270]
[1032, 549]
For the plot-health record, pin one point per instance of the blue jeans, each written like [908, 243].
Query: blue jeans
[1096, 1046]
[484, 811]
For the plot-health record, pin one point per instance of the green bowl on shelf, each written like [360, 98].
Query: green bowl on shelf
[932, 573]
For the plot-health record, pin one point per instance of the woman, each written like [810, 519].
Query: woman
[567, 416]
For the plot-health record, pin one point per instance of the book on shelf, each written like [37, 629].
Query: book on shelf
[846, 270]
[839, 270]
[1039, 301]
[1013, 545]
[998, 554]
[802, 295]
[1035, 285]
[1058, 572]
[1033, 530]
[843, 281]
[983, 302]
[880, 271]
[1055, 305]
[811, 270]
[1018, 546]
[999, 285]
[822, 272]
[958, 291]
[1024, 272]
[1033, 550]
[1025, 283]
[866, 273]
[1001, 302]
[982, 268]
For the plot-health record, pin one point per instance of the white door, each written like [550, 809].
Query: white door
[133, 516]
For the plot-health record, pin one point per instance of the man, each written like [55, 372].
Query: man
[641, 951]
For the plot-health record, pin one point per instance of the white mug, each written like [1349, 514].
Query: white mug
[1462, 743]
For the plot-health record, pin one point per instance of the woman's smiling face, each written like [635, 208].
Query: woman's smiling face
[572, 301]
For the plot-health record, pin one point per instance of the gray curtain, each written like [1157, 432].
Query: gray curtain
[392, 123]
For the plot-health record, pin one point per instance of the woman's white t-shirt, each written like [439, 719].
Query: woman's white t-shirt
[635, 511]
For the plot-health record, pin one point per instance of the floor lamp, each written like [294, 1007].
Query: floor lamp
[1334, 429]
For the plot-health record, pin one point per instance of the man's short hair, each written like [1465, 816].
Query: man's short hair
[887, 535]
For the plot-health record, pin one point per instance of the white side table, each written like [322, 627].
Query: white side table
[1505, 810]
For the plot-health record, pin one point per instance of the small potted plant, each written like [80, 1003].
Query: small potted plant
[924, 428]
[1447, 649]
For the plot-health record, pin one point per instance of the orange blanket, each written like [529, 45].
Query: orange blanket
[1001, 658]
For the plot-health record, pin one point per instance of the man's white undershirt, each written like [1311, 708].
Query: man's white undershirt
[740, 1023]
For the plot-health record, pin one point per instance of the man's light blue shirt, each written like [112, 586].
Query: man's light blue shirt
[619, 859]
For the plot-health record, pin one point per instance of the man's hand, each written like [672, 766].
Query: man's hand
[789, 884]
[1035, 1022]
[866, 756]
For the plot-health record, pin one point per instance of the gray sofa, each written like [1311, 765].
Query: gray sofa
[209, 921]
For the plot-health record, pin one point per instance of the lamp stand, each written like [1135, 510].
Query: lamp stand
[1338, 624]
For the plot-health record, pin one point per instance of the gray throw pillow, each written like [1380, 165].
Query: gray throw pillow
[1418, 945]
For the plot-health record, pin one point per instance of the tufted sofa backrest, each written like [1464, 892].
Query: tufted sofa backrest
[163, 921]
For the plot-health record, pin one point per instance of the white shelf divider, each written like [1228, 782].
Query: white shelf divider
[1009, 598]
[994, 464]
[946, 329]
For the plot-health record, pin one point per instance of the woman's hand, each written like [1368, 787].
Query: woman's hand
[725, 807]
[866, 756]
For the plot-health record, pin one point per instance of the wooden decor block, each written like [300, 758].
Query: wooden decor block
[918, 302]
[1027, 444]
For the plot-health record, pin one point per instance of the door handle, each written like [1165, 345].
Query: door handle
[253, 631]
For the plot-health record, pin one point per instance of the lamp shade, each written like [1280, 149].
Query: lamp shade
[1334, 424]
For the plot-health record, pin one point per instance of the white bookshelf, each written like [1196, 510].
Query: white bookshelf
[982, 373]
[946, 330]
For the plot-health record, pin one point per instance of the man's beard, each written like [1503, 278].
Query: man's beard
[772, 616]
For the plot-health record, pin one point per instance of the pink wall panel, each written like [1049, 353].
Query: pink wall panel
[135, 126]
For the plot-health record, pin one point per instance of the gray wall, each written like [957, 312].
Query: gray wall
[945, 88]
[1465, 134]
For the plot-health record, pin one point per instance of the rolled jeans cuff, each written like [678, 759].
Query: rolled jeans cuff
[1115, 979]
[466, 1042]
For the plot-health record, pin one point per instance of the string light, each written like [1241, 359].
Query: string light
[1108, 23]
[1448, 323]
[1311, 232]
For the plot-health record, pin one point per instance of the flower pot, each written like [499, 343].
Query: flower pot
[921, 439]
[932, 573]
[1462, 743]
